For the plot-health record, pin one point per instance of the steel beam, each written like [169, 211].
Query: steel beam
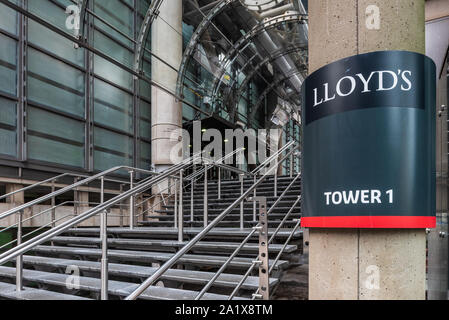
[150, 16]
[268, 90]
[242, 43]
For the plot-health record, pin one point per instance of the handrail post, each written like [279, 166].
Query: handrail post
[175, 213]
[121, 207]
[104, 247]
[206, 205]
[19, 260]
[181, 211]
[242, 222]
[291, 165]
[254, 202]
[264, 276]
[104, 256]
[53, 204]
[276, 178]
[75, 198]
[131, 201]
[175, 258]
[101, 189]
[191, 200]
[219, 183]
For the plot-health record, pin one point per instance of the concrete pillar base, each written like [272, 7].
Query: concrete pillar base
[18, 198]
[365, 264]
[351, 264]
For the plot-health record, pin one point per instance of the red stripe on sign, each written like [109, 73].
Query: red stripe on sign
[374, 222]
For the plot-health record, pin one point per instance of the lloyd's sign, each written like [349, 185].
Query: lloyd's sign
[369, 143]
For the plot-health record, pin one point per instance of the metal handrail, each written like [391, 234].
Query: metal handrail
[273, 236]
[242, 281]
[298, 224]
[281, 252]
[151, 280]
[38, 229]
[274, 206]
[226, 264]
[210, 162]
[62, 176]
[46, 236]
[51, 209]
[194, 177]
[67, 189]
[272, 157]
[189, 183]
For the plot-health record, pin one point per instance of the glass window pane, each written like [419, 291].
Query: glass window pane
[54, 43]
[8, 19]
[113, 107]
[55, 84]
[111, 149]
[8, 65]
[8, 127]
[54, 138]
[145, 155]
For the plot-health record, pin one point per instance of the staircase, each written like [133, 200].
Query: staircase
[69, 266]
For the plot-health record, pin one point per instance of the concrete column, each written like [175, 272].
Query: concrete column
[166, 110]
[83, 199]
[346, 264]
[18, 198]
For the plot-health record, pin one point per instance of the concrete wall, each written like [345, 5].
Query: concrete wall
[166, 111]
[343, 263]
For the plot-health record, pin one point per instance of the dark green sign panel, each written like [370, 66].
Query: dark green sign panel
[369, 143]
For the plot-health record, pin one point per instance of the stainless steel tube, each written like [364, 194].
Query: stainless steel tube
[167, 265]
[19, 260]
[131, 201]
[206, 205]
[242, 216]
[181, 211]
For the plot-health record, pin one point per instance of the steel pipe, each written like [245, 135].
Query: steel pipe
[19, 260]
[131, 201]
[180, 211]
[174, 259]
[206, 205]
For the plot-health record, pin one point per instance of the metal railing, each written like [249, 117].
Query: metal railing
[207, 228]
[52, 181]
[103, 209]
[175, 173]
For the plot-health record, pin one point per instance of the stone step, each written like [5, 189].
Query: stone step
[198, 215]
[147, 257]
[141, 232]
[281, 187]
[223, 224]
[116, 288]
[229, 201]
[246, 210]
[167, 245]
[139, 272]
[8, 291]
[234, 181]
[236, 194]
[282, 205]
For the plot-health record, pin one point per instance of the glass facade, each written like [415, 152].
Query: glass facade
[291, 132]
[64, 106]
[75, 107]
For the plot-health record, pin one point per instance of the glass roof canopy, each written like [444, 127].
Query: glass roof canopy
[237, 59]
